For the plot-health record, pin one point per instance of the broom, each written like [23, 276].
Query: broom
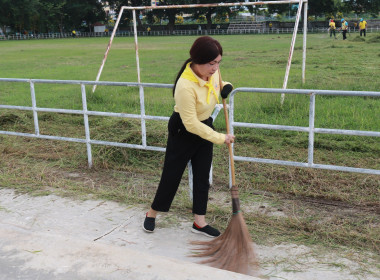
[233, 249]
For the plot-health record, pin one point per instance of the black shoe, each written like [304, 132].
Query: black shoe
[149, 224]
[206, 230]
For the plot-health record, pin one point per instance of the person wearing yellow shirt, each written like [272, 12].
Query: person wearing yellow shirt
[191, 134]
[344, 28]
[332, 28]
[362, 27]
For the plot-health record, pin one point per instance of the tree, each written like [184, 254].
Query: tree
[279, 9]
[363, 6]
[170, 14]
[18, 13]
[219, 12]
[52, 15]
[321, 7]
[316, 7]
[5, 14]
[206, 12]
[49, 15]
[127, 15]
[84, 13]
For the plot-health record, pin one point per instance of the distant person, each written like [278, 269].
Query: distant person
[362, 27]
[332, 28]
[270, 26]
[148, 29]
[191, 134]
[344, 28]
[73, 33]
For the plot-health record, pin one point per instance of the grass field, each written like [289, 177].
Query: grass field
[317, 207]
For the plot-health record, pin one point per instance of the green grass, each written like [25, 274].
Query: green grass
[319, 207]
[249, 61]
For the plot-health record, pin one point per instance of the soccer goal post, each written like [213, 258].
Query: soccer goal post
[301, 4]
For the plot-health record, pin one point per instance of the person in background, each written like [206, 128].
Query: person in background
[73, 33]
[362, 27]
[332, 28]
[191, 134]
[344, 28]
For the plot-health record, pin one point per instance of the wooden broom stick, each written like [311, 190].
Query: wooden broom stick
[230, 152]
[234, 189]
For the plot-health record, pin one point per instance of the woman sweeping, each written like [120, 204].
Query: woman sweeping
[191, 134]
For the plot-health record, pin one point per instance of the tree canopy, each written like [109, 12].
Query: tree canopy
[64, 15]
[50, 15]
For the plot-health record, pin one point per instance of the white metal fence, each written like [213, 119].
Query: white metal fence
[311, 130]
[176, 32]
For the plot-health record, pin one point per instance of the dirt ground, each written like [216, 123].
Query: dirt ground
[49, 237]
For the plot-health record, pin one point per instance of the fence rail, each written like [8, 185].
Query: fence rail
[311, 130]
[176, 33]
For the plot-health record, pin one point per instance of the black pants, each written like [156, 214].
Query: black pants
[183, 146]
[362, 31]
[332, 31]
[344, 34]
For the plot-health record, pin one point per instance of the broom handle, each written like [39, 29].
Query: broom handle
[234, 188]
[228, 132]
[229, 144]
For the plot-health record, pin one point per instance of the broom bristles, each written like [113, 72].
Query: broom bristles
[232, 250]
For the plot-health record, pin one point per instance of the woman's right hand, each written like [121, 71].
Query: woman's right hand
[229, 139]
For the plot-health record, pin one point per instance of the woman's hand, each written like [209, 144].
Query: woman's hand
[229, 139]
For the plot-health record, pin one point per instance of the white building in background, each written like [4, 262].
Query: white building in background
[99, 28]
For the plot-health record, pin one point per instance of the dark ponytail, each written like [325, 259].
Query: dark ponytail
[203, 50]
[180, 73]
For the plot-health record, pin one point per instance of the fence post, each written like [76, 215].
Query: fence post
[310, 159]
[34, 106]
[86, 125]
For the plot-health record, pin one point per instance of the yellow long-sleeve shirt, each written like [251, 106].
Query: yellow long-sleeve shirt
[191, 103]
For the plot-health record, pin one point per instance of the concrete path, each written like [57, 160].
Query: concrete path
[50, 237]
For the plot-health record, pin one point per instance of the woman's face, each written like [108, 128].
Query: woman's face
[205, 71]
